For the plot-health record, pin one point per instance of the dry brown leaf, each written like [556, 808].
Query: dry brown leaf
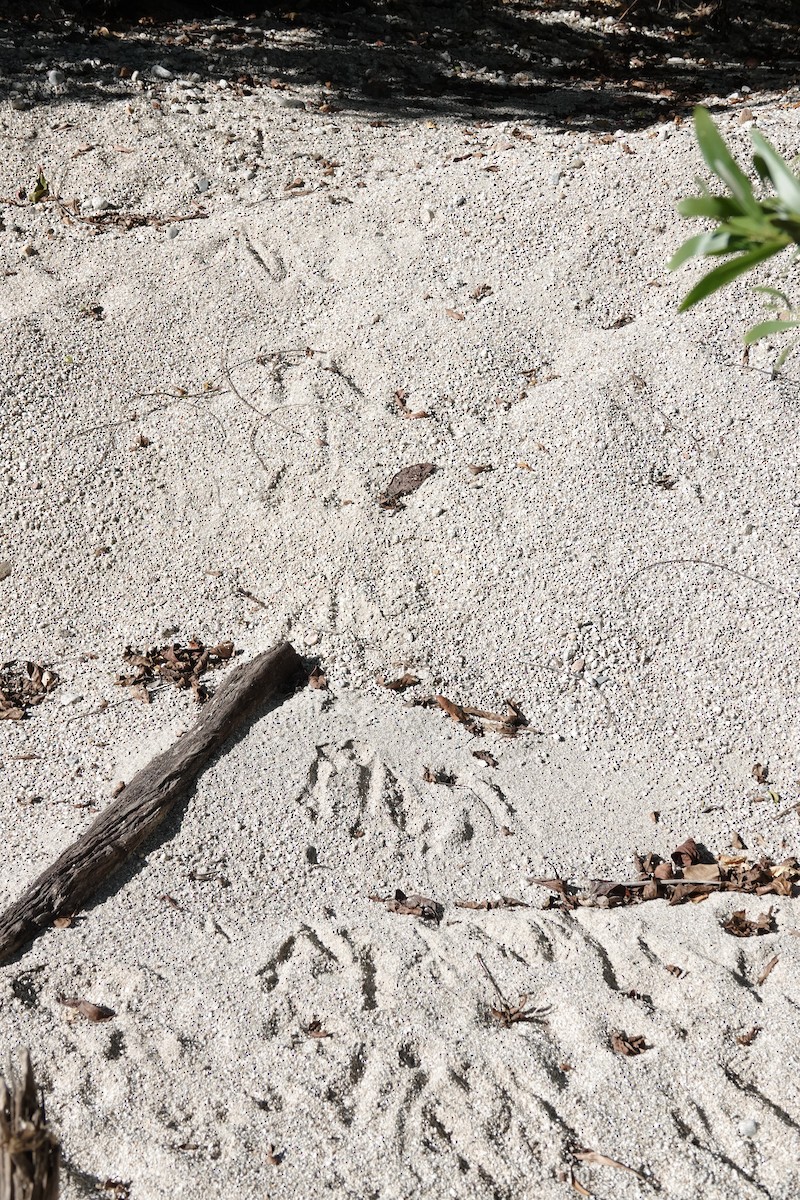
[488, 905]
[314, 1029]
[318, 679]
[747, 1039]
[23, 686]
[63, 922]
[760, 772]
[438, 776]
[274, 1157]
[411, 906]
[404, 483]
[406, 680]
[736, 842]
[628, 1045]
[457, 713]
[454, 315]
[686, 854]
[92, 1012]
[768, 969]
[678, 972]
[701, 873]
[485, 756]
[741, 926]
[180, 665]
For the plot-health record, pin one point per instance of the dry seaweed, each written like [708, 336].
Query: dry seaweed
[693, 881]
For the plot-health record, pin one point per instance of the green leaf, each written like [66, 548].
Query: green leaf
[782, 357]
[719, 159]
[767, 328]
[40, 190]
[784, 180]
[715, 208]
[776, 293]
[725, 273]
[698, 246]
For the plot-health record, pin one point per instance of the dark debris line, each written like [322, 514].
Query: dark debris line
[392, 57]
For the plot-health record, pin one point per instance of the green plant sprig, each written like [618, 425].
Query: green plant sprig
[750, 228]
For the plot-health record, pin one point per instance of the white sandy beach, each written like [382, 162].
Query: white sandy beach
[204, 458]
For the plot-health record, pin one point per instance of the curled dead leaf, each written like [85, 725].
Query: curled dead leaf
[739, 925]
[628, 1045]
[406, 680]
[686, 854]
[92, 1012]
[403, 483]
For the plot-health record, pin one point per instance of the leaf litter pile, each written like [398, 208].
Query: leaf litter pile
[684, 878]
[22, 687]
[182, 666]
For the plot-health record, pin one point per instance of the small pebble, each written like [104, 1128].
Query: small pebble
[203, 185]
[748, 1127]
[311, 637]
[5, 570]
[290, 102]
[172, 232]
[55, 78]
[161, 72]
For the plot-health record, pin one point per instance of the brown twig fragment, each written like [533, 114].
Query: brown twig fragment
[508, 1014]
[29, 1152]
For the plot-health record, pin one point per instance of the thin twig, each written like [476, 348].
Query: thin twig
[704, 562]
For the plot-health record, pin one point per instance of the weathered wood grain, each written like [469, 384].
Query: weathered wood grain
[66, 885]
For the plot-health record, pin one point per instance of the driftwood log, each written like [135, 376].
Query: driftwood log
[121, 827]
[29, 1152]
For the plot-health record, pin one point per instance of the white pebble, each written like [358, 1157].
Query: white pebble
[748, 1127]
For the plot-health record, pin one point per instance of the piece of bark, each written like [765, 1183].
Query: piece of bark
[29, 1152]
[66, 885]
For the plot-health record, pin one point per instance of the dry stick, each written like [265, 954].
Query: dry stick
[704, 562]
[29, 1152]
[126, 823]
